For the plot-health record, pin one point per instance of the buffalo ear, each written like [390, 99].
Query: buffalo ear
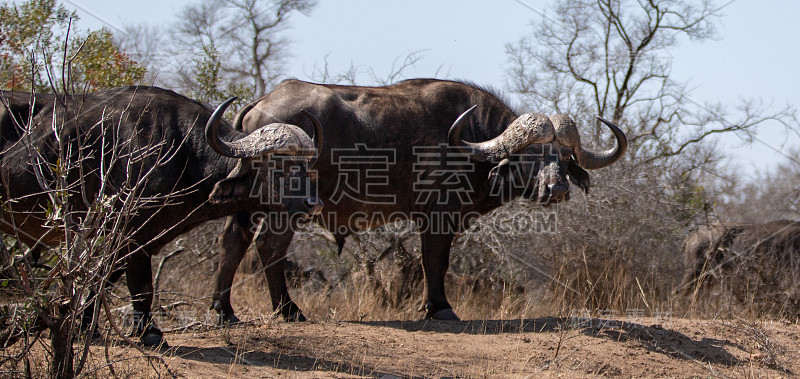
[237, 185]
[578, 175]
[499, 174]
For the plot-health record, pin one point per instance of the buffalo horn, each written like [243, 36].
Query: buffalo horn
[273, 138]
[567, 134]
[319, 136]
[525, 130]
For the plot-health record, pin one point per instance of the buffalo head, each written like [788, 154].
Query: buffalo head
[537, 156]
[273, 163]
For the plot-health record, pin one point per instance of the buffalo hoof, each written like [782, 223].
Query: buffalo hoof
[292, 313]
[226, 316]
[443, 314]
[228, 319]
[295, 316]
[150, 336]
[153, 338]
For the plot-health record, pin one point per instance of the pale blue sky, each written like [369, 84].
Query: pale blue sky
[757, 55]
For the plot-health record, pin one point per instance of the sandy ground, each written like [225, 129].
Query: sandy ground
[542, 347]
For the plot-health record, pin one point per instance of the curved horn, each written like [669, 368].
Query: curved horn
[454, 134]
[212, 131]
[593, 160]
[525, 130]
[273, 138]
[319, 136]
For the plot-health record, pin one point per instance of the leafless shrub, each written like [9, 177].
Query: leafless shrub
[87, 225]
[94, 229]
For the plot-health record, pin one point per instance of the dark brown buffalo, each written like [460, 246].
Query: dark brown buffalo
[152, 140]
[759, 261]
[706, 250]
[436, 152]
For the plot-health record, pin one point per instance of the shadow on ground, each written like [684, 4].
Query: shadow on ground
[279, 360]
[654, 338]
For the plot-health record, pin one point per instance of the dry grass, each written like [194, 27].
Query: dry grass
[187, 280]
[582, 282]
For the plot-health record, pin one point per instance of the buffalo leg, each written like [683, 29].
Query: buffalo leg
[272, 251]
[435, 260]
[139, 276]
[234, 240]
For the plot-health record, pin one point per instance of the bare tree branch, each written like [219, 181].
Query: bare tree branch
[242, 44]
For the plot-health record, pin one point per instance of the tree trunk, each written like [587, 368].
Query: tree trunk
[61, 365]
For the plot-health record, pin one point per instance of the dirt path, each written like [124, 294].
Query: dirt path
[543, 347]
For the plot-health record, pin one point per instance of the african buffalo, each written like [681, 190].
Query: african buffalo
[436, 152]
[759, 261]
[149, 143]
[706, 250]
